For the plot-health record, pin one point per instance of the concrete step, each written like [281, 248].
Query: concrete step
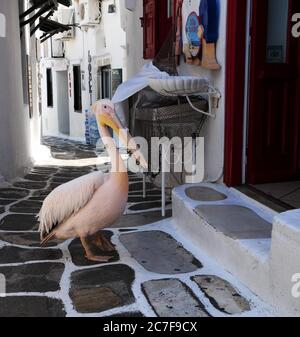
[239, 234]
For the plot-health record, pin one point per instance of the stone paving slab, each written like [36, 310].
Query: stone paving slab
[146, 206]
[18, 255]
[63, 180]
[134, 179]
[155, 192]
[239, 223]
[204, 194]
[36, 177]
[78, 254]
[134, 187]
[69, 175]
[19, 222]
[29, 185]
[26, 206]
[31, 306]
[40, 198]
[172, 298]
[28, 239]
[141, 199]
[103, 288]
[68, 154]
[53, 186]
[142, 219]
[222, 295]
[41, 193]
[44, 169]
[5, 202]
[13, 193]
[74, 169]
[159, 253]
[36, 277]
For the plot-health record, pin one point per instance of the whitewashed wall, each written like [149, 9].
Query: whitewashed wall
[214, 129]
[19, 135]
[131, 23]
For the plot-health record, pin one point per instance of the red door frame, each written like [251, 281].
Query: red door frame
[235, 86]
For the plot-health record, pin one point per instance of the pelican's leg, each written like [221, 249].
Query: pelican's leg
[89, 253]
[104, 244]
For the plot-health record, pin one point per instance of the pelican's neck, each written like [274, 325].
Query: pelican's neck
[118, 166]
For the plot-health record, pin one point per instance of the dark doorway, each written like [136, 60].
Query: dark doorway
[273, 130]
[63, 102]
[77, 88]
[106, 91]
[49, 88]
[273, 149]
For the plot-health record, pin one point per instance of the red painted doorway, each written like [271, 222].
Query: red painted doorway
[273, 151]
[273, 126]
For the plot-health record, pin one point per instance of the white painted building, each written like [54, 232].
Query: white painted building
[85, 67]
[20, 118]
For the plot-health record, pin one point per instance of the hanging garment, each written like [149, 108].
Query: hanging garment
[209, 13]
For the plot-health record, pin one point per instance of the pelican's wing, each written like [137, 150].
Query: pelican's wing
[68, 199]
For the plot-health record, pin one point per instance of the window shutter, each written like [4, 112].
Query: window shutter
[149, 23]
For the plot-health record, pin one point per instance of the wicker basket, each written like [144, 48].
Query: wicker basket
[171, 121]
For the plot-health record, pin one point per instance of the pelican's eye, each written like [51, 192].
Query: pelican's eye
[105, 106]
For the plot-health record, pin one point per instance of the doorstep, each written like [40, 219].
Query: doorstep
[253, 242]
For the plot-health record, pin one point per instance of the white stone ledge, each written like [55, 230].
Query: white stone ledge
[266, 266]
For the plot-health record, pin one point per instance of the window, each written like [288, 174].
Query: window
[278, 22]
[77, 88]
[49, 88]
[157, 23]
[106, 82]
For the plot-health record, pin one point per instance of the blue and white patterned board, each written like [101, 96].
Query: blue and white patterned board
[91, 129]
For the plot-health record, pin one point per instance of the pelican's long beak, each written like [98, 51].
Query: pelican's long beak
[125, 137]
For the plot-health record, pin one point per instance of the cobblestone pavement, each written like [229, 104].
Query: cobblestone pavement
[154, 271]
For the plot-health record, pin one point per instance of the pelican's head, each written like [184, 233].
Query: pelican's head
[106, 116]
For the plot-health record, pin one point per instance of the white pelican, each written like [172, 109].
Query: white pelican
[83, 207]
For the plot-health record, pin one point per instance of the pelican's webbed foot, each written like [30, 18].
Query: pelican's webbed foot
[89, 254]
[104, 244]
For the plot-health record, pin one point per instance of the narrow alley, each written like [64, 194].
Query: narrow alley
[154, 272]
[200, 99]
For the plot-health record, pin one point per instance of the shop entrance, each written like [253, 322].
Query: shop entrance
[273, 151]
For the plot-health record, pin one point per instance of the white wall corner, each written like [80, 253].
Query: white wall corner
[285, 262]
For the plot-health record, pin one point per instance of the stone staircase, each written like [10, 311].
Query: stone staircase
[254, 243]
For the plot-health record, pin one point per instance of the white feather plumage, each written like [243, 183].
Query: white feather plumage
[68, 199]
